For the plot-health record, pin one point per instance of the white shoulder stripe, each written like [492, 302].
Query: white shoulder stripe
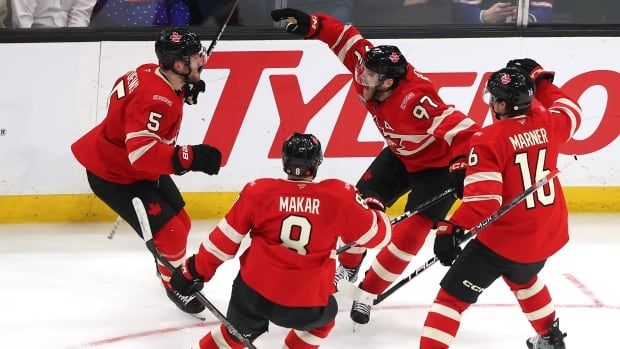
[483, 176]
[230, 232]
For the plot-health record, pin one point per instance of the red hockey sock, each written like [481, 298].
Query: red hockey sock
[407, 239]
[219, 338]
[171, 242]
[535, 302]
[442, 322]
[308, 339]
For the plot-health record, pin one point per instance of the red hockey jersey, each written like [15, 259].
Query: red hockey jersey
[416, 124]
[294, 226]
[136, 139]
[508, 157]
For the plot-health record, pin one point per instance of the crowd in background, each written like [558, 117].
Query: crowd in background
[125, 13]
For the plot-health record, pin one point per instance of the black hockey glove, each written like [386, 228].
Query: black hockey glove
[191, 91]
[298, 22]
[457, 169]
[185, 279]
[374, 203]
[531, 68]
[447, 241]
[199, 157]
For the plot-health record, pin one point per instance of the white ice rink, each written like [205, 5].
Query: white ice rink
[68, 286]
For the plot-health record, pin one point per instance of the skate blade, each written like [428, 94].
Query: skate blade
[356, 326]
[198, 316]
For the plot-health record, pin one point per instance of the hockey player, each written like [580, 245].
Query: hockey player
[132, 152]
[287, 272]
[426, 144]
[505, 159]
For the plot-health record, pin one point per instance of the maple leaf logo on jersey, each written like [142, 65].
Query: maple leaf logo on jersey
[175, 37]
[394, 57]
[154, 209]
[505, 79]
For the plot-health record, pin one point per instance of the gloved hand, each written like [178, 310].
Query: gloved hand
[531, 68]
[191, 91]
[447, 242]
[457, 169]
[298, 22]
[185, 279]
[374, 203]
[199, 157]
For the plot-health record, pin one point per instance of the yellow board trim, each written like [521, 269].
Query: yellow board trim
[88, 208]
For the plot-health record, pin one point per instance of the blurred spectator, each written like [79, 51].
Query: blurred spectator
[341, 9]
[3, 12]
[126, 13]
[51, 13]
[213, 12]
[496, 12]
[402, 12]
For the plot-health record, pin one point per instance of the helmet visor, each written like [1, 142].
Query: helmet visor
[365, 76]
[488, 97]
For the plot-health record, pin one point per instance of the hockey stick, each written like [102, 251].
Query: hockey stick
[475, 230]
[421, 207]
[150, 244]
[114, 228]
[222, 28]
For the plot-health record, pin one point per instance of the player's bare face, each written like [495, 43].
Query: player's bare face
[196, 64]
[373, 82]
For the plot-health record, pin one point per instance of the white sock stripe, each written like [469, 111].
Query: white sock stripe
[400, 254]
[540, 313]
[437, 335]
[530, 292]
[308, 337]
[446, 311]
[218, 338]
[388, 231]
[382, 272]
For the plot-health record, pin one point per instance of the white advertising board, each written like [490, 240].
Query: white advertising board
[258, 92]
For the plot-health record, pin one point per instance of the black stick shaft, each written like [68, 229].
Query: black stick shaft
[475, 230]
[150, 244]
[421, 207]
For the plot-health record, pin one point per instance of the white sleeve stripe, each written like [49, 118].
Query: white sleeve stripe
[446, 311]
[418, 149]
[571, 116]
[356, 250]
[482, 198]
[230, 232]
[569, 103]
[437, 335]
[439, 119]
[463, 125]
[347, 46]
[400, 254]
[218, 338]
[143, 133]
[136, 154]
[374, 228]
[214, 250]
[308, 337]
[483, 176]
[346, 27]
[388, 231]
